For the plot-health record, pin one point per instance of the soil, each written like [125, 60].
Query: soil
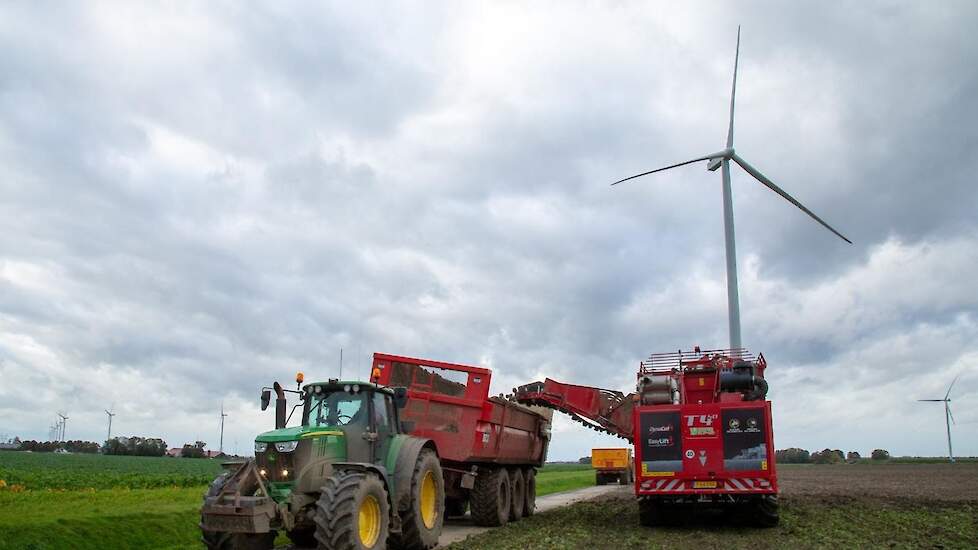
[916, 482]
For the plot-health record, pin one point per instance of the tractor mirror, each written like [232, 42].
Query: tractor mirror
[266, 396]
[400, 397]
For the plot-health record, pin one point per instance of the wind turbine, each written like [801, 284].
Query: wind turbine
[223, 415]
[948, 417]
[64, 426]
[110, 414]
[721, 159]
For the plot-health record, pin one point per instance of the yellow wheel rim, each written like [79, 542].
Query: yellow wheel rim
[428, 495]
[369, 521]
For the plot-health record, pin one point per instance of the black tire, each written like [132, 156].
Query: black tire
[455, 507]
[340, 507]
[517, 489]
[417, 531]
[654, 513]
[490, 498]
[530, 501]
[765, 511]
[303, 538]
[598, 478]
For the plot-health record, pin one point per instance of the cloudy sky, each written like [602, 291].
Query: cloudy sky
[198, 199]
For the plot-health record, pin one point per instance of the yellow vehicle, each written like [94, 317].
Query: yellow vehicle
[612, 465]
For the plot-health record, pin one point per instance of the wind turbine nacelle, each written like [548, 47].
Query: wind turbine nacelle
[714, 164]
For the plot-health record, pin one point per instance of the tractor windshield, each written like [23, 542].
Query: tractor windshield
[336, 408]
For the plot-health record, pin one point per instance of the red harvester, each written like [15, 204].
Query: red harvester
[701, 427]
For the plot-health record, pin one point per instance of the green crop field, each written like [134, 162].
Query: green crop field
[78, 501]
[35, 471]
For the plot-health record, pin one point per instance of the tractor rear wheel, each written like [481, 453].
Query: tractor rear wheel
[517, 487]
[353, 512]
[491, 496]
[421, 523]
[530, 501]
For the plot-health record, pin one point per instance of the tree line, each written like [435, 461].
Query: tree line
[795, 455]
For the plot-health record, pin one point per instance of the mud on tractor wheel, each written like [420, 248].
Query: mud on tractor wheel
[421, 523]
[353, 512]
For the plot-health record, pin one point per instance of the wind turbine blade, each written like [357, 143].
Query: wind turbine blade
[707, 157]
[951, 386]
[937, 400]
[770, 184]
[733, 92]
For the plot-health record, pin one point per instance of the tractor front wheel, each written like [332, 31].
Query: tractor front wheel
[421, 523]
[353, 512]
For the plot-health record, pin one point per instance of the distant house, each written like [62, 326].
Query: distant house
[174, 452]
[214, 454]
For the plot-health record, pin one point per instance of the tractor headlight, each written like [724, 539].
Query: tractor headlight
[286, 446]
[260, 447]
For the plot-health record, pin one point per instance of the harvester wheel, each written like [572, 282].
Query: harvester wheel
[654, 513]
[518, 488]
[490, 498]
[353, 512]
[220, 540]
[530, 499]
[421, 523]
[766, 511]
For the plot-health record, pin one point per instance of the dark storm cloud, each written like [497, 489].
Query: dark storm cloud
[199, 200]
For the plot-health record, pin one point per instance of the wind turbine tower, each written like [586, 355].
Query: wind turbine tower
[721, 160]
[64, 426]
[223, 415]
[948, 417]
[110, 414]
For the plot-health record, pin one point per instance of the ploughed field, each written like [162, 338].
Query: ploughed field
[841, 506]
[79, 501]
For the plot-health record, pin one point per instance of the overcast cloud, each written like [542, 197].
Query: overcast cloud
[199, 199]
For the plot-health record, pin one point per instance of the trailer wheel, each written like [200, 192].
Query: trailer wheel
[766, 511]
[517, 487]
[598, 478]
[490, 498]
[530, 482]
[352, 513]
[421, 523]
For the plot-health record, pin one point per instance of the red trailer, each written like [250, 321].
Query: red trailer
[489, 447]
[701, 428]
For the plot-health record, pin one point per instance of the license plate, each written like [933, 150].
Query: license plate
[704, 485]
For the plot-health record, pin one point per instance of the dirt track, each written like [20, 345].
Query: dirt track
[919, 482]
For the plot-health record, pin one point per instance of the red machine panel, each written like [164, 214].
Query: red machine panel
[704, 449]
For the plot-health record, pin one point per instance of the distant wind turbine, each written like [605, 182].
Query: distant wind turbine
[223, 415]
[64, 426]
[721, 159]
[110, 414]
[948, 417]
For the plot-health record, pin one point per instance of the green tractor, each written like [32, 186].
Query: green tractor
[349, 477]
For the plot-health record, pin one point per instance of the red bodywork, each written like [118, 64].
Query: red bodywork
[450, 404]
[692, 436]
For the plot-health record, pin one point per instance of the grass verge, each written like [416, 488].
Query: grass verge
[806, 523]
[554, 478]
